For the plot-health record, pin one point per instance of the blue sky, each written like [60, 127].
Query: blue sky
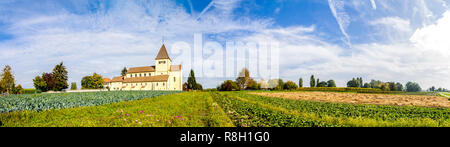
[389, 40]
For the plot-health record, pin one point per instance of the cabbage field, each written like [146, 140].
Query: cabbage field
[39, 102]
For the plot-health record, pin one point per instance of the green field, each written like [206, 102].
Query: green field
[39, 102]
[446, 94]
[192, 109]
[221, 109]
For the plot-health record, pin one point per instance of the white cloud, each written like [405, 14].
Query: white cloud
[397, 23]
[434, 37]
[126, 34]
[129, 34]
[374, 5]
[342, 18]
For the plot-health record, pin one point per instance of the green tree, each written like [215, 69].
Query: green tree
[243, 78]
[97, 81]
[60, 76]
[331, 83]
[392, 86]
[40, 84]
[322, 84]
[198, 87]
[366, 85]
[353, 83]
[253, 85]
[191, 80]
[317, 83]
[289, 85]
[385, 87]
[300, 82]
[280, 85]
[413, 87]
[7, 80]
[228, 86]
[92, 82]
[375, 84]
[73, 86]
[312, 81]
[432, 88]
[124, 71]
[361, 83]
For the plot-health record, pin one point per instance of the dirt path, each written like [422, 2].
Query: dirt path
[357, 98]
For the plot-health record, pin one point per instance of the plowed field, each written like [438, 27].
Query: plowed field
[357, 98]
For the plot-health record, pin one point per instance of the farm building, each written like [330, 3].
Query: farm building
[162, 76]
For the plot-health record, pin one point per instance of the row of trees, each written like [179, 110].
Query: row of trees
[243, 82]
[386, 86]
[440, 89]
[55, 81]
[318, 83]
[7, 82]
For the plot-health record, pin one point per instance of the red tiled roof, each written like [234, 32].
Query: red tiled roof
[159, 78]
[106, 80]
[175, 68]
[117, 79]
[162, 54]
[141, 69]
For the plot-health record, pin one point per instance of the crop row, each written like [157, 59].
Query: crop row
[39, 102]
[379, 112]
[245, 114]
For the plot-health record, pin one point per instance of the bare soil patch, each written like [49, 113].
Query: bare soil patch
[358, 98]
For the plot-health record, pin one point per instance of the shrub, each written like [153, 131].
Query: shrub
[31, 91]
[73, 86]
[331, 83]
[322, 84]
[253, 85]
[228, 86]
[289, 85]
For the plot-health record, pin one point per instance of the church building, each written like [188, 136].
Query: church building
[162, 76]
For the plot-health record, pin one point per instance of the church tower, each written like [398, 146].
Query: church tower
[162, 62]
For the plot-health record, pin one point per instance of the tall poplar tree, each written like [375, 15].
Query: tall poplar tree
[312, 81]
